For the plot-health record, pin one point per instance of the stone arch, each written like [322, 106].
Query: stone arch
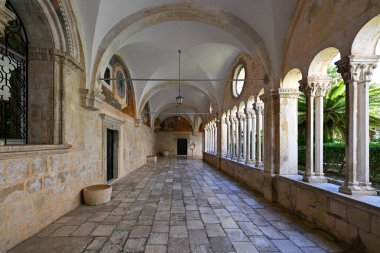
[180, 12]
[173, 105]
[291, 79]
[366, 41]
[50, 50]
[260, 95]
[166, 85]
[250, 102]
[321, 61]
[241, 107]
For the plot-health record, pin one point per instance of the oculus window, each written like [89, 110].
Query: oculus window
[238, 82]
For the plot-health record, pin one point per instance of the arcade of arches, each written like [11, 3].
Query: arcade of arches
[91, 91]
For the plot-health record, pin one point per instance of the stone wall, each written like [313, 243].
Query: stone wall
[352, 219]
[40, 183]
[355, 220]
[168, 141]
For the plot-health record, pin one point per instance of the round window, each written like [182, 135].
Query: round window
[238, 82]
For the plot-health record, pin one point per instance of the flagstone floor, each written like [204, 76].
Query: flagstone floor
[180, 205]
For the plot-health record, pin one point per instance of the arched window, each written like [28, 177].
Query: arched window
[238, 82]
[13, 83]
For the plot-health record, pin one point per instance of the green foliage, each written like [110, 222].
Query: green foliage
[333, 157]
[334, 108]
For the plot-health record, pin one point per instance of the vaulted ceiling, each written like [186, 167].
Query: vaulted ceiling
[211, 34]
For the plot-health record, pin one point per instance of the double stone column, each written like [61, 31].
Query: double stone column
[314, 90]
[242, 136]
[357, 74]
[259, 109]
[233, 136]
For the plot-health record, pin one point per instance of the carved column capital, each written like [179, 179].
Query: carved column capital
[240, 115]
[320, 83]
[6, 16]
[357, 68]
[362, 67]
[285, 93]
[259, 108]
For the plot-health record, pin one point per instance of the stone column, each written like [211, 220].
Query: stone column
[259, 108]
[209, 138]
[223, 140]
[228, 136]
[323, 84]
[206, 138]
[238, 137]
[254, 133]
[248, 158]
[215, 137]
[233, 138]
[243, 139]
[309, 91]
[6, 16]
[357, 75]
[286, 100]
[212, 138]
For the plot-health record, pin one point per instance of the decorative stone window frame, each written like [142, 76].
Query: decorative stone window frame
[236, 72]
[111, 123]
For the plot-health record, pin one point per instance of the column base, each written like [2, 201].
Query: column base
[241, 159]
[314, 179]
[249, 161]
[233, 158]
[357, 190]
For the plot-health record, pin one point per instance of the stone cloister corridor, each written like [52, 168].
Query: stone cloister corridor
[180, 205]
[264, 116]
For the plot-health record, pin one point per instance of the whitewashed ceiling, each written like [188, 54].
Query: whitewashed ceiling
[207, 50]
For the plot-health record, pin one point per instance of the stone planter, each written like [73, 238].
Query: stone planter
[165, 153]
[97, 194]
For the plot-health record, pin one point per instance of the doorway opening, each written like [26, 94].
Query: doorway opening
[111, 154]
[181, 146]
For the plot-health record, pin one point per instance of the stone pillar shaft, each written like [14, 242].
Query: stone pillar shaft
[309, 170]
[248, 158]
[254, 133]
[228, 136]
[259, 127]
[233, 139]
[319, 136]
[357, 73]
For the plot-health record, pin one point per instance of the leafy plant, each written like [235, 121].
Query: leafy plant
[334, 108]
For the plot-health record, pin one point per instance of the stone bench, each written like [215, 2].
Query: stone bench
[151, 158]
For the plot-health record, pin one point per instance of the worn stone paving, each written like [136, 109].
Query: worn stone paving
[180, 205]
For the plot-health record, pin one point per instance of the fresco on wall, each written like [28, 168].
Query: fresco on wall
[176, 124]
[146, 114]
[118, 93]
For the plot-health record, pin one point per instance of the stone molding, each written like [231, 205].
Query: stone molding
[91, 100]
[9, 152]
[6, 16]
[111, 122]
[44, 54]
[285, 93]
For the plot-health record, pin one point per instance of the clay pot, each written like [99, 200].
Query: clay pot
[97, 194]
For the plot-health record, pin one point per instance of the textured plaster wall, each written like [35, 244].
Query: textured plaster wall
[39, 187]
[36, 188]
[138, 144]
[168, 141]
